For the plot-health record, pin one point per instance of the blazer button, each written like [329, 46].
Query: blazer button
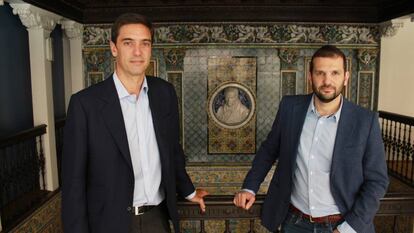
[129, 208]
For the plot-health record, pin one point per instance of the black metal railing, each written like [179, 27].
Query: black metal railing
[221, 208]
[59, 124]
[398, 135]
[22, 174]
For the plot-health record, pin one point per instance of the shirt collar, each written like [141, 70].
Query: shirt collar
[122, 91]
[336, 115]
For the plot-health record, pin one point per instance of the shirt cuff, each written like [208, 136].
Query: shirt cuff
[250, 191]
[345, 228]
[189, 197]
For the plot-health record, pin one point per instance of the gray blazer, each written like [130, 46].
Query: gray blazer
[358, 176]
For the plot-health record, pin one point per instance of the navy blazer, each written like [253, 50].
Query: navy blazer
[358, 177]
[97, 173]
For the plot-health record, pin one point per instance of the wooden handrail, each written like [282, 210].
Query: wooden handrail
[222, 207]
[22, 135]
[396, 117]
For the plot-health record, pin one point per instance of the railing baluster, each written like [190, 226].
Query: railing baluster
[394, 225]
[394, 146]
[387, 141]
[404, 149]
[411, 153]
[202, 227]
[399, 148]
[251, 230]
[20, 174]
[227, 230]
[399, 152]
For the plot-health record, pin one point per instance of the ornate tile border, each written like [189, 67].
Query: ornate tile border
[248, 33]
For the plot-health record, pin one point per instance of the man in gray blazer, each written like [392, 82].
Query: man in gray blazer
[331, 170]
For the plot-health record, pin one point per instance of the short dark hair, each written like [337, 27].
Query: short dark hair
[129, 18]
[328, 51]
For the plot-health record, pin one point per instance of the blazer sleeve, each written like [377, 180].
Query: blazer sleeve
[375, 181]
[74, 162]
[184, 184]
[266, 155]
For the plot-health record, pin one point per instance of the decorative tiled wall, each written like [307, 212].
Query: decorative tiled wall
[282, 51]
[181, 53]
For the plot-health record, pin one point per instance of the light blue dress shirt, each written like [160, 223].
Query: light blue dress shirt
[311, 191]
[142, 144]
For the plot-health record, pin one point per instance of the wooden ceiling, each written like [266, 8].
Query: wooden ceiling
[338, 11]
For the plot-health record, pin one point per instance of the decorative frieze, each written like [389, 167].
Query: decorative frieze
[73, 30]
[275, 33]
[249, 33]
[97, 35]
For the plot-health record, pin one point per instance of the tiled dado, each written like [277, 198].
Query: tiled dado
[223, 180]
[45, 219]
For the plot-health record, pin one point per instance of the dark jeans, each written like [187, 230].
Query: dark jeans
[153, 221]
[295, 223]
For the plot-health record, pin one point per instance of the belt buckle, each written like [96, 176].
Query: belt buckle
[137, 210]
[311, 219]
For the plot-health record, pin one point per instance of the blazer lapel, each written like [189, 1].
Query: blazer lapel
[344, 132]
[114, 120]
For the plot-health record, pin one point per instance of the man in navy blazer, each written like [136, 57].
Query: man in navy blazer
[122, 162]
[331, 170]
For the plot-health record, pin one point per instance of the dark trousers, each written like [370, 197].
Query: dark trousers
[153, 221]
[296, 223]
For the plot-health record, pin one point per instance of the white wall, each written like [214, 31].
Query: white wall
[396, 87]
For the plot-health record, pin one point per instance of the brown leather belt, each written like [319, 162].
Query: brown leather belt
[329, 218]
